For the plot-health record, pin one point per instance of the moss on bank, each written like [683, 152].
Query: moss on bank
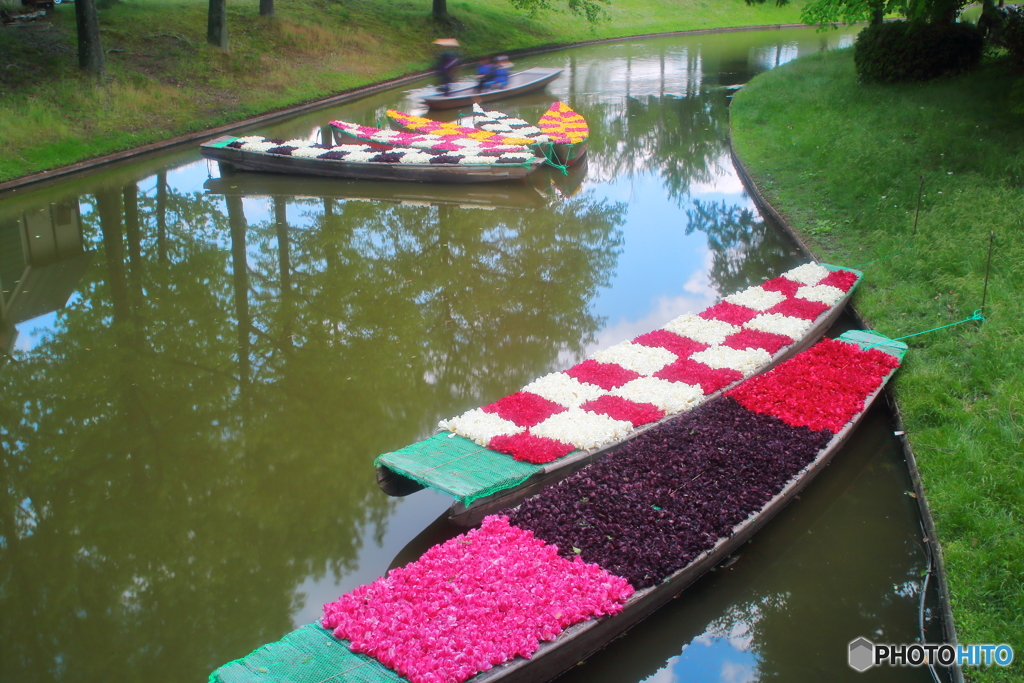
[165, 81]
[841, 161]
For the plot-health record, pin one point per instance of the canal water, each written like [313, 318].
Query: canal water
[199, 371]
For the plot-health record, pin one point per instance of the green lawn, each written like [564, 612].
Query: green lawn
[841, 161]
[165, 81]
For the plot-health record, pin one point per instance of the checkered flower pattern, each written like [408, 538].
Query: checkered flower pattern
[421, 124]
[602, 400]
[501, 123]
[424, 141]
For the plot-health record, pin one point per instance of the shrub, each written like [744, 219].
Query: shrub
[1012, 36]
[910, 51]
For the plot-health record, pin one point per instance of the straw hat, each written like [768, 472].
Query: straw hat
[446, 42]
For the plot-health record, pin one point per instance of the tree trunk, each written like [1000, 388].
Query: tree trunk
[440, 9]
[90, 51]
[266, 8]
[877, 15]
[217, 24]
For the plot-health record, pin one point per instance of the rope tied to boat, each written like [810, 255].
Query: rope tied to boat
[974, 316]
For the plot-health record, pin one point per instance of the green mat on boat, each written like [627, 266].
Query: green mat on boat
[307, 655]
[457, 466]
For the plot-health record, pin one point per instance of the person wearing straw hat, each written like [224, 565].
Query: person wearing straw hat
[447, 62]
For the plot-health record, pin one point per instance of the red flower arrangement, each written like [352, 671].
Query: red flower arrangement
[524, 409]
[619, 408]
[681, 346]
[605, 375]
[822, 388]
[530, 448]
[755, 339]
[730, 313]
[692, 372]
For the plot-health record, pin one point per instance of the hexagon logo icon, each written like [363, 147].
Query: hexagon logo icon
[862, 654]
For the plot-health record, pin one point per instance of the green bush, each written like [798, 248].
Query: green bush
[910, 51]
[1012, 36]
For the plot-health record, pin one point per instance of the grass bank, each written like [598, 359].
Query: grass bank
[841, 162]
[165, 81]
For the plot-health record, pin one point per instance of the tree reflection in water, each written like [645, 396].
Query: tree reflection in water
[194, 436]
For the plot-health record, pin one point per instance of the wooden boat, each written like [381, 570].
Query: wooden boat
[314, 652]
[256, 153]
[396, 478]
[584, 639]
[518, 84]
[476, 142]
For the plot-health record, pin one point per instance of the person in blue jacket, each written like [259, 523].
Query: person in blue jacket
[501, 72]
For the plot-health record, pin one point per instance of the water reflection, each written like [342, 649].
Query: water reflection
[204, 367]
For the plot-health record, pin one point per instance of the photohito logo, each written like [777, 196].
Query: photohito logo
[864, 654]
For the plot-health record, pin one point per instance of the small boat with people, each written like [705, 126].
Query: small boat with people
[491, 458]
[368, 161]
[465, 95]
[530, 594]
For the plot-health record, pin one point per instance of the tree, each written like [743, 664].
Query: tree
[217, 24]
[266, 8]
[90, 51]
[591, 10]
[833, 12]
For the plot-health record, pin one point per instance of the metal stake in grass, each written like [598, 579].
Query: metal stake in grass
[920, 189]
[988, 267]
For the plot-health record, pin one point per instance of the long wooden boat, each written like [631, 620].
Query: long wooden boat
[518, 84]
[443, 461]
[584, 639]
[314, 653]
[255, 153]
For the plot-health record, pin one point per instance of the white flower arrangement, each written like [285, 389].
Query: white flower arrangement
[472, 160]
[387, 134]
[672, 397]
[309, 152]
[298, 143]
[757, 298]
[747, 361]
[532, 132]
[582, 428]
[516, 157]
[776, 323]
[417, 158]
[694, 327]
[516, 122]
[807, 274]
[564, 390]
[358, 156]
[497, 127]
[826, 294]
[480, 427]
[645, 360]
[250, 138]
[258, 146]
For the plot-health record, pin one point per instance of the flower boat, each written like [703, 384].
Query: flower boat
[518, 84]
[257, 153]
[491, 458]
[525, 135]
[476, 143]
[568, 132]
[527, 596]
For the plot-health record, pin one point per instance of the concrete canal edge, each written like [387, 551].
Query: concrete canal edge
[932, 542]
[129, 155]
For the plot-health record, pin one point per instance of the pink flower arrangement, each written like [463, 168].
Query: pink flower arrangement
[755, 339]
[799, 308]
[681, 346]
[605, 375]
[822, 388]
[473, 602]
[619, 408]
[531, 448]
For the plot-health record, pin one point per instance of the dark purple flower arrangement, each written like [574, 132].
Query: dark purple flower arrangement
[671, 493]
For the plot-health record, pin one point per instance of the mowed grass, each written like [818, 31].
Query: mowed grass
[841, 160]
[164, 80]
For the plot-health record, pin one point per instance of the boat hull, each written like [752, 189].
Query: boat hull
[429, 173]
[568, 154]
[518, 84]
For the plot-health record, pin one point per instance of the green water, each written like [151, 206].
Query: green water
[200, 370]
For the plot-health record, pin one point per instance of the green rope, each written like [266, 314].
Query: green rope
[548, 152]
[868, 263]
[974, 316]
